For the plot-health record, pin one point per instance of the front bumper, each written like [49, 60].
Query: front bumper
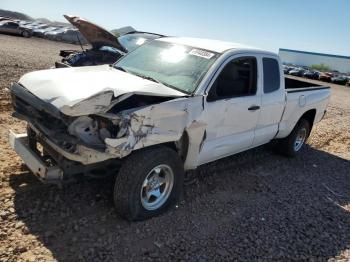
[36, 164]
[50, 165]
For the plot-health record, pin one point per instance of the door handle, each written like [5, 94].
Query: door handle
[254, 108]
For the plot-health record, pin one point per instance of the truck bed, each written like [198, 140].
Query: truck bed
[293, 85]
[301, 97]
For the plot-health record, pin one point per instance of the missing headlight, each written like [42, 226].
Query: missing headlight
[93, 130]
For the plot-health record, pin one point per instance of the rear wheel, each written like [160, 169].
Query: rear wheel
[148, 183]
[295, 142]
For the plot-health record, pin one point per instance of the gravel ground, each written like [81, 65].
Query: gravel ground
[256, 206]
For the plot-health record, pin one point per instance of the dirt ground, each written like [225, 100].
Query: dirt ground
[256, 206]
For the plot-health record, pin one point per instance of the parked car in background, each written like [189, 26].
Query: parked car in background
[325, 76]
[311, 74]
[106, 47]
[25, 24]
[32, 25]
[13, 28]
[3, 18]
[340, 80]
[73, 36]
[40, 32]
[306, 68]
[287, 69]
[297, 72]
[55, 34]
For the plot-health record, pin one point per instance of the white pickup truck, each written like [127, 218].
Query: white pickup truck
[169, 106]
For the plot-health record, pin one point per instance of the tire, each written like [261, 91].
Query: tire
[289, 146]
[26, 34]
[130, 193]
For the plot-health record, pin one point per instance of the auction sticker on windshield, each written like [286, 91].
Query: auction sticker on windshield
[201, 53]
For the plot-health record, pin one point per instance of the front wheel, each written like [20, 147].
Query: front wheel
[149, 181]
[296, 140]
[25, 34]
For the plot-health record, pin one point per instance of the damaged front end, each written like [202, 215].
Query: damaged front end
[101, 128]
[48, 148]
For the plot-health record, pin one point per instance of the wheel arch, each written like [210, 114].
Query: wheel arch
[286, 127]
[180, 147]
[189, 146]
[309, 116]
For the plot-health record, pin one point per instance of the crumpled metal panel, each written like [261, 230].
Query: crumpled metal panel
[162, 123]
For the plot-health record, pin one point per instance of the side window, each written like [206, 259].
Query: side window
[238, 78]
[271, 75]
[11, 25]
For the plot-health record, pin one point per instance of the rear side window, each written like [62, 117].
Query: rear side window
[271, 75]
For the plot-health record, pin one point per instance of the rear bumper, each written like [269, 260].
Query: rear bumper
[19, 142]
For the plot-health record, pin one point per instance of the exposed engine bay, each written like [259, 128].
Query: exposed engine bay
[89, 57]
[107, 48]
[93, 130]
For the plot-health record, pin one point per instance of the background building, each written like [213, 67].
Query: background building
[334, 62]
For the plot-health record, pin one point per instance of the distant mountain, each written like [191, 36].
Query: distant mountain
[16, 15]
[43, 20]
[52, 23]
[21, 16]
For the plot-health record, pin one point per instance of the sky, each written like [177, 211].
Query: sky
[308, 25]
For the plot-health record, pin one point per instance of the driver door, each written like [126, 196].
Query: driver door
[231, 110]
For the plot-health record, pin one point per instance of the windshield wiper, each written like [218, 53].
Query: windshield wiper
[139, 75]
[148, 78]
[120, 68]
[156, 80]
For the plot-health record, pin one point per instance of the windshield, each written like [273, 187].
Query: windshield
[177, 66]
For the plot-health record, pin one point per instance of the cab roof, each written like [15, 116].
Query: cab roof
[210, 45]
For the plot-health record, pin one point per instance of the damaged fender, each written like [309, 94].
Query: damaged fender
[161, 123]
[196, 134]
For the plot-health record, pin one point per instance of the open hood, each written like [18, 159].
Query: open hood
[87, 90]
[94, 34]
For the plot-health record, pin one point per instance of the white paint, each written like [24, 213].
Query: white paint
[272, 106]
[66, 87]
[314, 100]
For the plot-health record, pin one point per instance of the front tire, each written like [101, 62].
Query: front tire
[26, 34]
[296, 140]
[149, 181]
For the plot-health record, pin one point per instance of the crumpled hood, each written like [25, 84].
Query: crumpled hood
[70, 89]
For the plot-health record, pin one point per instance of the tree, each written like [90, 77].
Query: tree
[321, 67]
